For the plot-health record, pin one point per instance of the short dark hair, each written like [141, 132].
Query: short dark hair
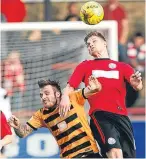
[138, 34]
[94, 33]
[44, 82]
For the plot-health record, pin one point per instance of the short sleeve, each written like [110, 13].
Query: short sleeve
[77, 97]
[128, 71]
[5, 128]
[78, 75]
[36, 121]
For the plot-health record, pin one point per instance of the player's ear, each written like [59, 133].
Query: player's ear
[58, 94]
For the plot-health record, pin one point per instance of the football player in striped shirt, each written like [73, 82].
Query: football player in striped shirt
[72, 132]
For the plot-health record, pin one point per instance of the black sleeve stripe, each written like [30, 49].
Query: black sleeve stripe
[83, 93]
[31, 126]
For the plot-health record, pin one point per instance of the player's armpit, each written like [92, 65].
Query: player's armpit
[23, 130]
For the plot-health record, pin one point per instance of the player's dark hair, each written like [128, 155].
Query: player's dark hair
[44, 82]
[94, 33]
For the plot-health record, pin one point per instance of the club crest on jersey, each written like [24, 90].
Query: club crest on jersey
[112, 65]
[111, 141]
[62, 125]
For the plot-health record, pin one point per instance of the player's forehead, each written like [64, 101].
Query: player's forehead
[47, 88]
[92, 38]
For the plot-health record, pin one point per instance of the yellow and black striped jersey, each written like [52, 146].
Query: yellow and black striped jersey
[72, 132]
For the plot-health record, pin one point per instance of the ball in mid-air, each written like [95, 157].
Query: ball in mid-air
[91, 13]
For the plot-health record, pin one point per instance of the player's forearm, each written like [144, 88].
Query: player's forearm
[67, 90]
[6, 140]
[125, 31]
[22, 131]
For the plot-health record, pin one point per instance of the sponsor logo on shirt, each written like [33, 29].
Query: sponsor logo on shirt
[107, 74]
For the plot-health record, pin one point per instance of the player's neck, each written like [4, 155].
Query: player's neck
[103, 54]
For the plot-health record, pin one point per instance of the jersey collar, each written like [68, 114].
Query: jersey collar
[102, 59]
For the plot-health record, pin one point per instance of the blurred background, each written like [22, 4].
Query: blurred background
[45, 39]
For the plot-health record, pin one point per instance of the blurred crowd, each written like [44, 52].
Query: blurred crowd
[131, 49]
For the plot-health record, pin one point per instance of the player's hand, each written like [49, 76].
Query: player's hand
[135, 79]
[64, 105]
[94, 84]
[14, 122]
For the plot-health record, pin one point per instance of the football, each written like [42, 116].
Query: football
[91, 13]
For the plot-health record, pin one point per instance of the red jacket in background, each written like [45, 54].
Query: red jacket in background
[13, 10]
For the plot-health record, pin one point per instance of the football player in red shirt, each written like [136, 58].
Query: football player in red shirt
[6, 134]
[109, 121]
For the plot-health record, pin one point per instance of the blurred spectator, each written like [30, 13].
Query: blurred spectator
[35, 35]
[73, 13]
[136, 52]
[13, 75]
[114, 11]
[73, 18]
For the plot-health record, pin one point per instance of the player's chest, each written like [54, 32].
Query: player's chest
[58, 124]
[106, 74]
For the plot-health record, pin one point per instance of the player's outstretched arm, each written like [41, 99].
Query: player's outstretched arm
[93, 87]
[136, 81]
[64, 105]
[6, 140]
[21, 130]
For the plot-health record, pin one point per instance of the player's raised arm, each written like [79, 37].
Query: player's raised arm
[64, 106]
[21, 130]
[93, 87]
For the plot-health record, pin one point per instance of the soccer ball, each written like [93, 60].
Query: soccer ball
[91, 13]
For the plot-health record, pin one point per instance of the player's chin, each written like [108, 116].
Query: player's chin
[95, 55]
[47, 105]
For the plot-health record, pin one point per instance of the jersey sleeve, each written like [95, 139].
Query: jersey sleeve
[77, 76]
[36, 121]
[123, 13]
[128, 71]
[5, 128]
[77, 97]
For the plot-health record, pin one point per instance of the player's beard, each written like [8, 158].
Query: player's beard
[50, 102]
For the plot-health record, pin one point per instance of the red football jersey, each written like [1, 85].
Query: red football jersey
[5, 128]
[112, 75]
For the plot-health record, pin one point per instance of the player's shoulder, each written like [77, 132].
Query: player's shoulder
[83, 64]
[124, 66]
[86, 62]
[39, 112]
[75, 92]
[118, 63]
